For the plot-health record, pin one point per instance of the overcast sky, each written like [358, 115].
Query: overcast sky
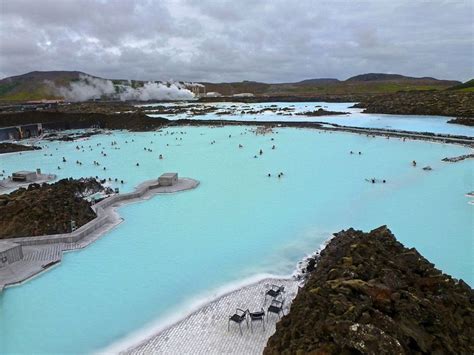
[217, 40]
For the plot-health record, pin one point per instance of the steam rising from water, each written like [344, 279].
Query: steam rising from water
[88, 88]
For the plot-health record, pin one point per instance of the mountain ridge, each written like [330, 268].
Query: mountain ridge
[40, 85]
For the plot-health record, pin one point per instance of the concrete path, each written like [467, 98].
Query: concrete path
[42, 252]
[205, 331]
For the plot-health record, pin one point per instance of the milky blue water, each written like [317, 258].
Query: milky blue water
[354, 118]
[238, 223]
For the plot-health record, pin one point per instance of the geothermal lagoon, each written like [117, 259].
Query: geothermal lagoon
[238, 225]
[292, 112]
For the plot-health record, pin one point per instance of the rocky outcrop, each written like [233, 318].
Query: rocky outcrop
[70, 137]
[321, 112]
[442, 103]
[465, 121]
[289, 98]
[47, 208]
[134, 121]
[458, 158]
[369, 294]
[12, 147]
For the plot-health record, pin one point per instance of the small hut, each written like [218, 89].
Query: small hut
[24, 176]
[168, 179]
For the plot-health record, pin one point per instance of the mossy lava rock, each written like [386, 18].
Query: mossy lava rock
[369, 294]
[47, 208]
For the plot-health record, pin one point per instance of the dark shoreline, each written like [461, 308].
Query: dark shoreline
[55, 120]
[13, 148]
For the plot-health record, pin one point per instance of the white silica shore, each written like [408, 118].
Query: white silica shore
[206, 331]
[42, 252]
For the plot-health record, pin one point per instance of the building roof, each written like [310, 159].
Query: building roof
[24, 172]
[169, 175]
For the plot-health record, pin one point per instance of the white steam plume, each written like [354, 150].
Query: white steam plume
[88, 88]
[156, 91]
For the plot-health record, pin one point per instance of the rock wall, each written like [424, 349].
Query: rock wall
[12, 147]
[135, 121]
[369, 294]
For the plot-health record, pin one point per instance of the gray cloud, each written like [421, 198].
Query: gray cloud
[211, 40]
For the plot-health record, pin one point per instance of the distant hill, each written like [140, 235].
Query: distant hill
[40, 85]
[385, 77]
[35, 85]
[467, 86]
[378, 77]
[371, 83]
[320, 81]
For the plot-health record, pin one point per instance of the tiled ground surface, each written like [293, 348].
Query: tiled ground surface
[47, 253]
[205, 331]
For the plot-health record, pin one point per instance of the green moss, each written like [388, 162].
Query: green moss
[38, 94]
[5, 88]
[361, 88]
[468, 86]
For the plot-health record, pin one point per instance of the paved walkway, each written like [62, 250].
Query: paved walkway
[205, 331]
[41, 252]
